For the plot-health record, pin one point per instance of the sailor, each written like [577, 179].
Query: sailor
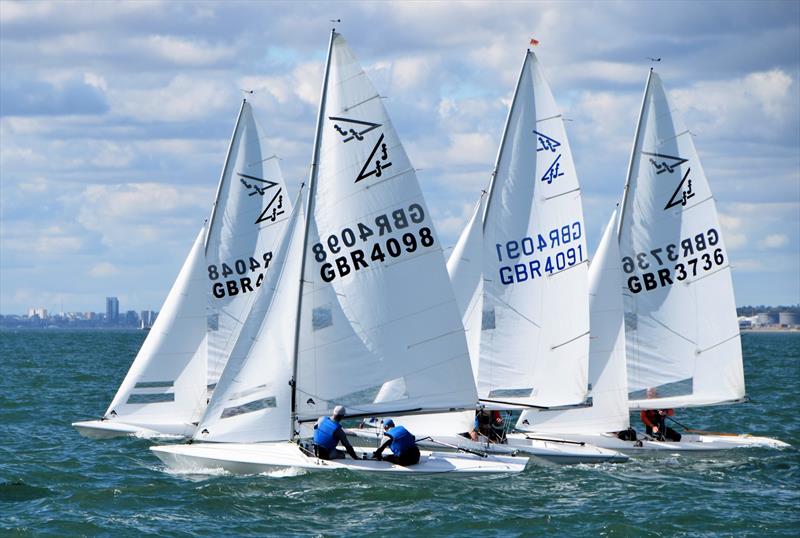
[328, 433]
[489, 424]
[654, 422]
[402, 444]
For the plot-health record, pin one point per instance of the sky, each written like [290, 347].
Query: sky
[115, 118]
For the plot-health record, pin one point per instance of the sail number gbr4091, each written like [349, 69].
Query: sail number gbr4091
[410, 236]
[565, 239]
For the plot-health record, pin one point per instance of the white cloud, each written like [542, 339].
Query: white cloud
[185, 52]
[183, 98]
[774, 241]
[103, 269]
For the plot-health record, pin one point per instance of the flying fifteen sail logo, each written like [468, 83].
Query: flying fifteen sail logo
[664, 163]
[547, 143]
[259, 186]
[670, 163]
[349, 129]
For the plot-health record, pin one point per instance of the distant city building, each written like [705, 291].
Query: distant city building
[767, 318]
[131, 318]
[112, 310]
[147, 318]
[40, 312]
[789, 319]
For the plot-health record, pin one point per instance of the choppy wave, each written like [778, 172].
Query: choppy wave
[52, 481]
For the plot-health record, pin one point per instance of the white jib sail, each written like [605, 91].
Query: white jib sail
[465, 268]
[534, 342]
[165, 385]
[248, 219]
[683, 346]
[252, 401]
[377, 305]
[607, 372]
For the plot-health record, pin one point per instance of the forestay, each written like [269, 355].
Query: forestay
[246, 223]
[376, 302]
[682, 335]
[534, 317]
[252, 401]
[165, 385]
[607, 373]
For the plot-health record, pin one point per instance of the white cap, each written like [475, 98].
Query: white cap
[339, 411]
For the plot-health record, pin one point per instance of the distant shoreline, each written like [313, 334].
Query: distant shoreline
[771, 330]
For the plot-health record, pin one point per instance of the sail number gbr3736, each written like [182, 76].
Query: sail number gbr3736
[391, 235]
[661, 267]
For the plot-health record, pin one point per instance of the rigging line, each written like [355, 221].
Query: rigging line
[390, 177]
[549, 118]
[699, 351]
[515, 404]
[696, 204]
[577, 189]
[663, 141]
[679, 335]
[349, 108]
[461, 330]
[550, 275]
[264, 160]
[523, 316]
[570, 340]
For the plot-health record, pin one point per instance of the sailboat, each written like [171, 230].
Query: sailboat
[168, 385]
[676, 311]
[519, 271]
[361, 298]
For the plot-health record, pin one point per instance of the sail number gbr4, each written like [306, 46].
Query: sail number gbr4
[704, 259]
[356, 239]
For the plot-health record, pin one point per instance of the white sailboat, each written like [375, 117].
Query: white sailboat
[676, 312]
[168, 385]
[519, 273]
[347, 311]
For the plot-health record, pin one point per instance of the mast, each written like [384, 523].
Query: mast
[503, 141]
[633, 156]
[312, 184]
[222, 175]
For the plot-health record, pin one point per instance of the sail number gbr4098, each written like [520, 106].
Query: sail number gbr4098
[365, 244]
[694, 255]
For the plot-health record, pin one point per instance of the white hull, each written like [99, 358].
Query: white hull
[552, 450]
[108, 429]
[269, 457]
[689, 443]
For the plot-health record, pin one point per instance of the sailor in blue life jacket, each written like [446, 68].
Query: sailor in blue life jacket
[328, 433]
[401, 442]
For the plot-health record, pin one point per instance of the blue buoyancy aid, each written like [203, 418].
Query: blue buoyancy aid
[325, 433]
[402, 440]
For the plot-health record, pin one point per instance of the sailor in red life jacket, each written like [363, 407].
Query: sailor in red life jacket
[654, 422]
[401, 442]
[328, 433]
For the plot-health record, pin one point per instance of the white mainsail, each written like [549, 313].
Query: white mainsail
[607, 373]
[528, 302]
[246, 223]
[377, 305]
[165, 385]
[683, 345]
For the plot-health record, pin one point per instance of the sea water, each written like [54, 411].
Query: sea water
[54, 482]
